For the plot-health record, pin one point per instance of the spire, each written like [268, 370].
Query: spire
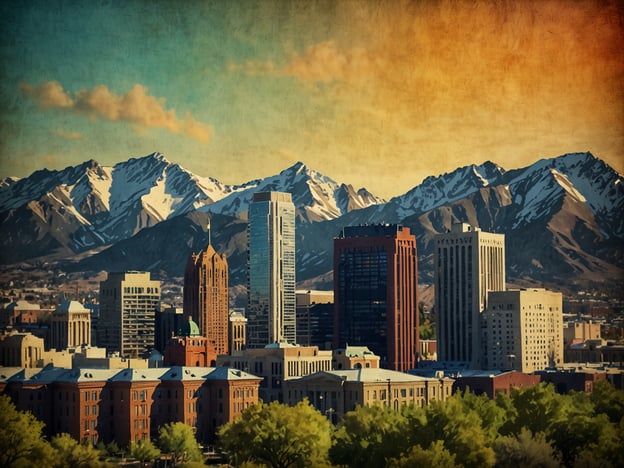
[208, 231]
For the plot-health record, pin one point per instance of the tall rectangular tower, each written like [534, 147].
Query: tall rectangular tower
[206, 295]
[271, 270]
[128, 304]
[469, 263]
[375, 292]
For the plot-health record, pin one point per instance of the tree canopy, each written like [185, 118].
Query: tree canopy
[278, 436]
[179, 440]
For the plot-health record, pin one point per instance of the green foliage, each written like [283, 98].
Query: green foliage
[21, 441]
[608, 400]
[143, 450]
[525, 449]
[368, 436]
[462, 431]
[278, 436]
[435, 455]
[71, 454]
[179, 440]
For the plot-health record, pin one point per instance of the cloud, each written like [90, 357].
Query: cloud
[136, 107]
[322, 62]
[69, 135]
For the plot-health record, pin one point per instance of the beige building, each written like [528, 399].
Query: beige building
[20, 350]
[70, 326]
[336, 392]
[277, 363]
[238, 331]
[355, 357]
[579, 332]
[523, 330]
[469, 263]
[128, 303]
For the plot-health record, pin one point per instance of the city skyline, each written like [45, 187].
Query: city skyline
[380, 95]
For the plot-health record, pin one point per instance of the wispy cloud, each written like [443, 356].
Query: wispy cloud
[136, 107]
[69, 135]
[322, 62]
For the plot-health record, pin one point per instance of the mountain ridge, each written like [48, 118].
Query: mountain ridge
[562, 217]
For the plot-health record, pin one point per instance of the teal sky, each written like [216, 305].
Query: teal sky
[374, 93]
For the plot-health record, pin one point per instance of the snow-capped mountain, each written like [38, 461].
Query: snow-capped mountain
[316, 196]
[561, 218]
[89, 206]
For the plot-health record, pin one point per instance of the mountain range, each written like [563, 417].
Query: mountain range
[562, 217]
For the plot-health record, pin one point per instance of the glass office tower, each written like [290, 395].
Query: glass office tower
[271, 306]
[375, 292]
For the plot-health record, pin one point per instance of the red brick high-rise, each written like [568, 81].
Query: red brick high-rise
[206, 295]
[375, 292]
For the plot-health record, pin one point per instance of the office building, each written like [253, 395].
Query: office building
[238, 331]
[523, 330]
[70, 326]
[315, 318]
[375, 292]
[128, 304]
[469, 263]
[206, 295]
[271, 310]
[169, 321]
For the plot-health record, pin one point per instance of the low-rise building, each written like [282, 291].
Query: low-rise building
[491, 383]
[354, 357]
[128, 405]
[21, 350]
[277, 363]
[336, 392]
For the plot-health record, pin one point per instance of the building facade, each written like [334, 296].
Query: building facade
[468, 263]
[523, 330]
[315, 318]
[336, 392]
[271, 302]
[128, 305]
[277, 363]
[206, 295]
[238, 331]
[20, 350]
[70, 326]
[168, 323]
[128, 405]
[189, 348]
[375, 292]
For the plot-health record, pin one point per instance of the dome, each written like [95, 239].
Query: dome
[189, 328]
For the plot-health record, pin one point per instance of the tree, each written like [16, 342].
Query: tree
[71, 454]
[525, 449]
[608, 400]
[21, 440]
[179, 440]
[278, 435]
[369, 436]
[435, 455]
[143, 450]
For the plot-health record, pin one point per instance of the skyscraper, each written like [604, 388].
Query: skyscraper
[375, 292]
[206, 295]
[271, 270]
[128, 303]
[468, 264]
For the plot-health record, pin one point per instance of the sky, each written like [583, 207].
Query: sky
[379, 94]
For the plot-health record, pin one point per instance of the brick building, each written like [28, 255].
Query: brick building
[131, 404]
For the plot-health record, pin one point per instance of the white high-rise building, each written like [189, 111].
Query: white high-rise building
[468, 264]
[271, 302]
[128, 303]
[523, 330]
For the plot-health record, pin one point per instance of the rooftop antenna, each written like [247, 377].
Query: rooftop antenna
[208, 231]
